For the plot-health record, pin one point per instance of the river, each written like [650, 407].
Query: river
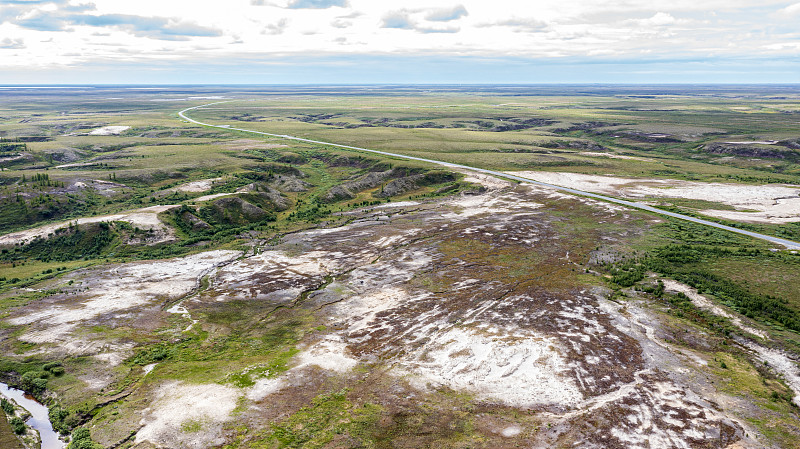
[39, 419]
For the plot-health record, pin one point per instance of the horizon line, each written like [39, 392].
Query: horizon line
[555, 83]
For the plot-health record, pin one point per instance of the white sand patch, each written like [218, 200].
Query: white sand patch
[553, 193]
[212, 197]
[114, 354]
[277, 275]
[180, 309]
[397, 239]
[706, 304]
[146, 218]
[265, 387]
[488, 181]
[306, 264]
[511, 431]
[520, 372]
[397, 204]
[782, 212]
[187, 416]
[780, 362]
[362, 309]
[330, 354]
[649, 418]
[244, 189]
[468, 206]
[109, 130]
[591, 183]
[768, 203]
[76, 164]
[148, 368]
[197, 186]
[123, 288]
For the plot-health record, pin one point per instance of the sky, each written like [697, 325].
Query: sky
[409, 41]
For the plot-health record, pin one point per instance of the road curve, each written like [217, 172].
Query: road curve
[786, 243]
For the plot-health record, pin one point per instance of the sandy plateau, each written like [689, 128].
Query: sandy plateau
[770, 203]
[473, 294]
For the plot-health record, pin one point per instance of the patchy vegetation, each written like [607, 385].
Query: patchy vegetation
[165, 285]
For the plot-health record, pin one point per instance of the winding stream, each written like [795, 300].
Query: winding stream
[39, 419]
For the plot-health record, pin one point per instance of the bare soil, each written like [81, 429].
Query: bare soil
[769, 203]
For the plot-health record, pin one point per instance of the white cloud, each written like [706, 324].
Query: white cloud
[791, 10]
[397, 19]
[73, 31]
[12, 44]
[659, 19]
[447, 14]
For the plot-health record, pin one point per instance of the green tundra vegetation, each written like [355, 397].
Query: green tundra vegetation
[210, 188]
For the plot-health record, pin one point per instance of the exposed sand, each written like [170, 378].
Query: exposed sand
[769, 203]
[777, 360]
[704, 303]
[76, 164]
[197, 186]
[119, 291]
[520, 372]
[109, 130]
[244, 189]
[397, 204]
[362, 309]
[274, 275]
[492, 202]
[146, 218]
[329, 354]
[188, 416]
[265, 387]
[490, 182]
[655, 416]
[211, 197]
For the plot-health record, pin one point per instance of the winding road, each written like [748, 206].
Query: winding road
[786, 243]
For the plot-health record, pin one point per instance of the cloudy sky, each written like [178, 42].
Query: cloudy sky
[409, 41]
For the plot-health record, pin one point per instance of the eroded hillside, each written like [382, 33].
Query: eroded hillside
[471, 320]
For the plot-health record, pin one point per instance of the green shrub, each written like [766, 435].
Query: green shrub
[34, 382]
[49, 366]
[61, 419]
[6, 406]
[54, 368]
[17, 425]
[152, 354]
[81, 439]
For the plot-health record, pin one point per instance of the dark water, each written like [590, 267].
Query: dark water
[38, 420]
